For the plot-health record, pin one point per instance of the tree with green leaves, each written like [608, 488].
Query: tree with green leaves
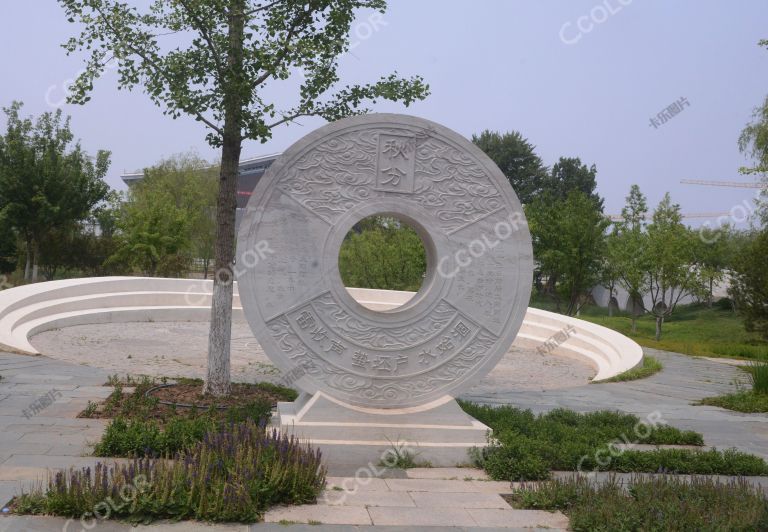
[749, 282]
[382, 252]
[568, 174]
[627, 251]
[568, 244]
[517, 159]
[213, 60]
[672, 272]
[47, 181]
[713, 256]
[154, 233]
[192, 183]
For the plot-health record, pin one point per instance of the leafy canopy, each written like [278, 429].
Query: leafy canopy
[181, 54]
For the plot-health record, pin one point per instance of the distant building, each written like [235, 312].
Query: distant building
[251, 171]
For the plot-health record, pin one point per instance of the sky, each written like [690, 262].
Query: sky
[578, 78]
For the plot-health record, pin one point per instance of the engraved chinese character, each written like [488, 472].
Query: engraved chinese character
[445, 345]
[460, 329]
[426, 356]
[305, 320]
[396, 148]
[395, 175]
[360, 359]
[337, 347]
[319, 333]
[382, 363]
[399, 361]
[560, 337]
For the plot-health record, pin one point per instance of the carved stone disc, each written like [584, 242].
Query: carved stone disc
[479, 262]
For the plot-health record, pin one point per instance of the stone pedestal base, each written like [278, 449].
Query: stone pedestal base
[440, 432]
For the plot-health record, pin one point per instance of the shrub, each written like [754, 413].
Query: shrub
[744, 401]
[234, 474]
[758, 377]
[646, 503]
[527, 447]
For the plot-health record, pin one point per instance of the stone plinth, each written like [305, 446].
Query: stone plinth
[439, 432]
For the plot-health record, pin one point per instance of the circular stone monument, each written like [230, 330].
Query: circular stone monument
[479, 262]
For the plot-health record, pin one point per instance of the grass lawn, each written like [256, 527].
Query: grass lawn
[692, 330]
[644, 504]
[650, 366]
[743, 401]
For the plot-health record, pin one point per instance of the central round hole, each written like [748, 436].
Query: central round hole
[382, 253]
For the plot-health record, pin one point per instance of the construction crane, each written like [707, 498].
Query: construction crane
[732, 184]
[648, 216]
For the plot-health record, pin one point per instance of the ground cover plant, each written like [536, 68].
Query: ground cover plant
[650, 366]
[649, 503]
[751, 400]
[233, 474]
[525, 446]
[142, 425]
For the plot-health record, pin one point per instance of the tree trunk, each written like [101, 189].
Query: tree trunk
[217, 381]
[659, 321]
[634, 323]
[35, 260]
[28, 265]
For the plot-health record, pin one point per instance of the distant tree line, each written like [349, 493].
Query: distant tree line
[58, 217]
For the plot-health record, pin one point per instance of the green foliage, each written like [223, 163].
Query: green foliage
[758, 377]
[650, 504]
[650, 366]
[670, 259]
[143, 427]
[226, 54]
[528, 447]
[382, 252]
[169, 217]
[233, 474]
[742, 401]
[47, 181]
[749, 283]
[569, 174]
[568, 244]
[694, 329]
[517, 159]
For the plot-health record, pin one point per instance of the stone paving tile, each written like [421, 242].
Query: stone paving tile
[362, 484]
[436, 486]
[519, 518]
[18, 447]
[329, 515]
[56, 462]
[445, 473]
[22, 473]
[426, 499]
[366, 498]
[421, 517]
[490, 486]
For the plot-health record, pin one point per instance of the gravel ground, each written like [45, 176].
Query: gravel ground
[178, 349]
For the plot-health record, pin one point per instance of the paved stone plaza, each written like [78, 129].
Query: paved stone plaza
[179, 349]
[54, 438]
